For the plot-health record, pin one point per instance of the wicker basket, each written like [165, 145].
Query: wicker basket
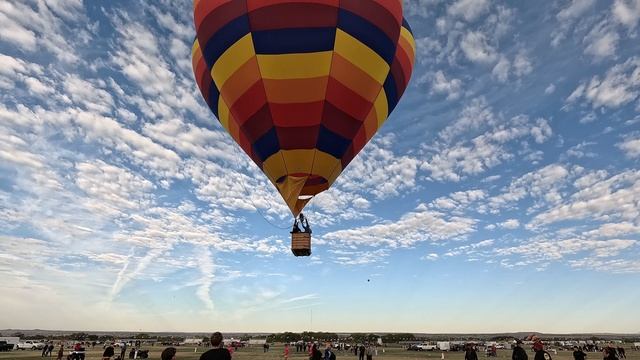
[301, 244]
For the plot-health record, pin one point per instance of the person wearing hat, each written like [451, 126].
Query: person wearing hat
[518, 352]
[538, 347]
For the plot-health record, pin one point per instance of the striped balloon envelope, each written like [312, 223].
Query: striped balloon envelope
[302, 85]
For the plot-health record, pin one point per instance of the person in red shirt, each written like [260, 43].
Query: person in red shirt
[286, 351]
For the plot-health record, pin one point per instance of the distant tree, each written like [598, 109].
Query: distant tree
[79, 336]
[18, 334]
[395, 338]
[105, 338]
[142, 336]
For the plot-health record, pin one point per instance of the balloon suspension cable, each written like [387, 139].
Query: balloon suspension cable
[251, 199]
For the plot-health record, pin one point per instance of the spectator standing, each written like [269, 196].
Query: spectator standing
[369, 352]
[470, 353]
[609, 353]
[361, 351]
[286, 351]
[168, 354]
[108, 353]
[538, 347]
[315, 353]
[578, 354]
[518, 352]
[60, 352]
[217, 352]
[123, 350]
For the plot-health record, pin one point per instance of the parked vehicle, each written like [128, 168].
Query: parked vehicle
[4, 346]
[30, 345]
[427, 347]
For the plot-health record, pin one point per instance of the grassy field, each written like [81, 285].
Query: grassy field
[185, 353]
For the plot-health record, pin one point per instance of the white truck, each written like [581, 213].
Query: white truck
[427, 347]
[30, 345]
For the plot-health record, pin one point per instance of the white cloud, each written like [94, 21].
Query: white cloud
[522, 65]
[431, 257]
[502, 69]
[620, 86]
[601, 41]
[476, 48]
[550, 89]
[14, 33]
[205, 263]
[556, 250]
[192, 140]
[614, 198]
[441, 85]
[452, 162]
[410, 229]
[575, 9]
[88, 95]
[418, 7]
[36, 86]
[112, 189]
[631, 147]
[470, 250]
[474, 116]
[352, 258]
[43, 25]
[379, 171]
[611, 230]
[627, 12]
[469, 9]
[545, 183]
[590, 179]
[510, 224]
[616, 266]
[458, 202]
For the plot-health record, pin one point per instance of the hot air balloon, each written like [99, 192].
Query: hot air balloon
[302, 85]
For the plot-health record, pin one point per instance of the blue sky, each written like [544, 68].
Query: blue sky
[502, 194]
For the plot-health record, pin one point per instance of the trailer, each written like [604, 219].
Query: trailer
[11, 340]
[444, 345]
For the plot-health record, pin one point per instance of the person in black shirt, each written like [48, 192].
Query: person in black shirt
[609, 353]
[218, 352]
[578, 354]
[169, 354]
[470, 353]
[315, 353]
[518, 352]
[108, 353]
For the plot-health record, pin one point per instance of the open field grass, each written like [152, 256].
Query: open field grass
[187, 353]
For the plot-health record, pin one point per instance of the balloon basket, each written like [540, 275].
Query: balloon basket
[301, 244]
